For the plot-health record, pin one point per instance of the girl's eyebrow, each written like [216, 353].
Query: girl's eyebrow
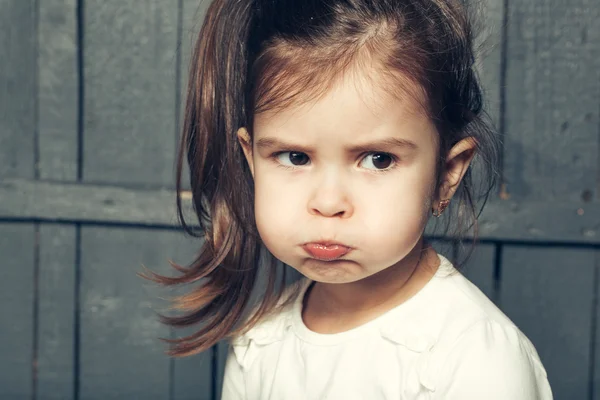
[271, 143]
[385, 144]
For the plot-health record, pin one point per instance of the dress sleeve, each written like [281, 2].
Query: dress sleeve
[233, 378]
[493, 362]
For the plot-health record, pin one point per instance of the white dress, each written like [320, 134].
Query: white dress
[449, 341]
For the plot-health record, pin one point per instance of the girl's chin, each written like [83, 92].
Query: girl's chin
[335, 271]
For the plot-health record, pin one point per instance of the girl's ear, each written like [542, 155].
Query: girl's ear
[458, 160]
[246, 143]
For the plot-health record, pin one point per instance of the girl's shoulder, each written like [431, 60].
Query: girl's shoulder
[451, 307]
[458, 303]
[470, 337]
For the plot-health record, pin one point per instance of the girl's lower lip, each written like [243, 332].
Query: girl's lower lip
[326, 252]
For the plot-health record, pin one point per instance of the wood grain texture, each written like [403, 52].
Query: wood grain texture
[75, 202]
[56, 335]
[193, 14]
[488, 45]
[552, 100]
[17, 296]
[596, 353]
[130, 69]
[192, 17]
[121, 356]
[480, 268]
[488, 19]
[530, 219]
[548, 292]
[527, 220]
[58, 90]
[18, 92]
[551, 155]
[192, 376]
[222, 352]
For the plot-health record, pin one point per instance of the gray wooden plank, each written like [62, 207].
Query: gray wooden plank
[528, 220]
[488, 45]
[551, 155]
[18, 77]
[222, 352]
[121, 356]
[488, 27]
[17, 291]
[549, 293]
[596, 353]
[531, 219]
[192, 375]
[480, 268]
[552, 99]
[130, 69]
[56, 339]
[87, 203]
[58, 90]
[192, 16]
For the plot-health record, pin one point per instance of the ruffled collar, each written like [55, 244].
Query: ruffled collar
[408, 324]
[411, 325]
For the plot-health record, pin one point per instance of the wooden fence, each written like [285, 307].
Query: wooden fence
[90, 105]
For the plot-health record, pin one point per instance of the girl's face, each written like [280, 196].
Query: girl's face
[356, 167]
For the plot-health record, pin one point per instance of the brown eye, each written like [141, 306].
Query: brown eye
[293, 158]
[298, 158]
[377, 161]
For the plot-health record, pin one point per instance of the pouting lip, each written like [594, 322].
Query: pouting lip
[326, 251]
[327, 243]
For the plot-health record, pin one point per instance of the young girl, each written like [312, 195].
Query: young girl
[328, 132]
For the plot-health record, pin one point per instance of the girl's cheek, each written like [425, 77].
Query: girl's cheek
[275, 206]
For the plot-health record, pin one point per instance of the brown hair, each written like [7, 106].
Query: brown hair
[256, 56]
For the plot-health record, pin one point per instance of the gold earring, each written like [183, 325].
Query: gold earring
[441, 207]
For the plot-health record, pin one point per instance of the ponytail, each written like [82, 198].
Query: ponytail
[227, 264]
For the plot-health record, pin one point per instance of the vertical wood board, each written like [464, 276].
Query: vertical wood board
[192, 375]
[17, 296]
[480, 269]
[552, 99]
[596, 353]
[222, 352]
[121, 355]
[18, 77]
[488, 46]
[548, 293]
[56, 334]
[58, 89]
[130, 68]
[192, 17]
[488, 28]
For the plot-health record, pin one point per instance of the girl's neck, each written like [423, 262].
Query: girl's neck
[334, 308]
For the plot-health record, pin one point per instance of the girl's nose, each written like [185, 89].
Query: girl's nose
[330, 199]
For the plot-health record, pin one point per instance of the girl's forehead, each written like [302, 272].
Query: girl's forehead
[354, 104]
